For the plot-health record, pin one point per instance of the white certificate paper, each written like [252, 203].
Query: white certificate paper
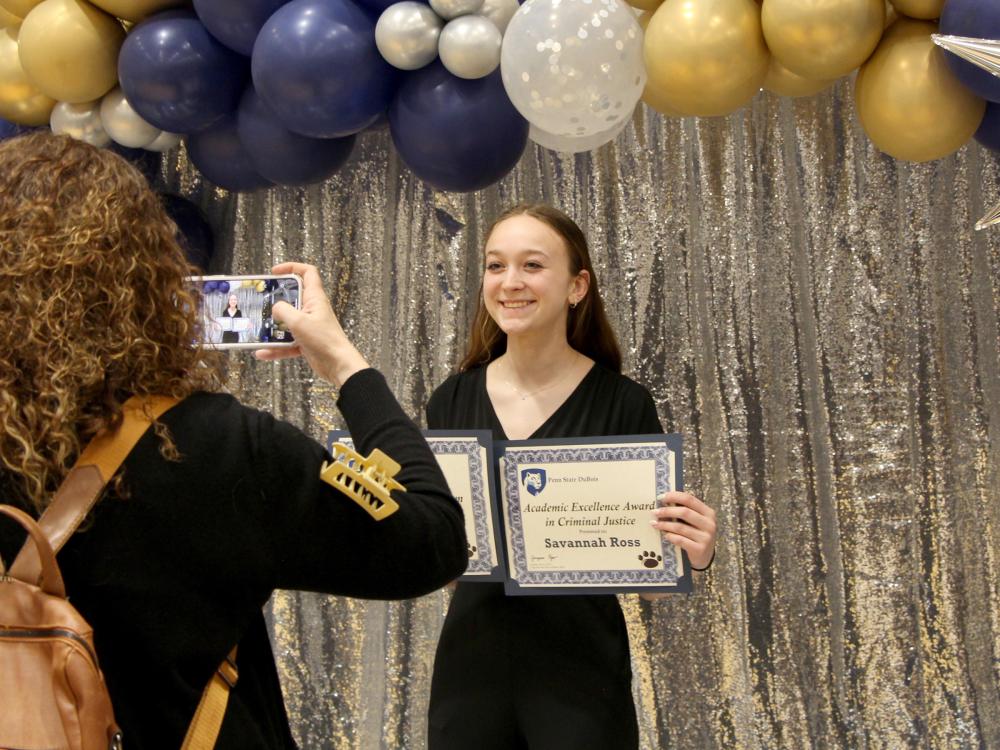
[577, 514]
[466, 460]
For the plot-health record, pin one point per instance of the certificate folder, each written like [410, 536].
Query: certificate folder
[576, 514]
[466, 458]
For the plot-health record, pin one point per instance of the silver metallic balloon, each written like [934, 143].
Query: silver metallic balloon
[81, 121]
[449, 9]
[164, 141]
[499, 12]
[469, 46]
[407, 35]
[123, 124]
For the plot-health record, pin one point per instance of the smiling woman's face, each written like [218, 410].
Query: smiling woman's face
[527, 283]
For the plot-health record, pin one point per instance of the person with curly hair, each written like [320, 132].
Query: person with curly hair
[220, 504]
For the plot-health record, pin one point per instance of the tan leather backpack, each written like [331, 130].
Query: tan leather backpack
[52, 692]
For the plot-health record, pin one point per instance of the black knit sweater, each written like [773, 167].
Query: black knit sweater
[173, 576]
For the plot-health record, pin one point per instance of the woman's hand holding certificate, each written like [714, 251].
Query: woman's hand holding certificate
[690, 524]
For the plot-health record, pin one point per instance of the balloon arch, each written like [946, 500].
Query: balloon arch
[269, 92]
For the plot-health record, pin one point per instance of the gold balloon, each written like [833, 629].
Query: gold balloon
[705, 57]
[8, 19]
[891, 14]
[135, 10]
[651, 96]
[909, 102]
[20, 102]
[654, 99]
[18, 8]
[780, 80]
[69, 50]
[822, 39]
[924, 9]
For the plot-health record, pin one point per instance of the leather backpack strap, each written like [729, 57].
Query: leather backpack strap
[50, 579]
[207, 721]
[83, 485]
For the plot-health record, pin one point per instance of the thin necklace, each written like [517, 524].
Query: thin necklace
[526, 395]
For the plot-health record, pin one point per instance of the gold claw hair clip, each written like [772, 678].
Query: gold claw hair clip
[367, 481]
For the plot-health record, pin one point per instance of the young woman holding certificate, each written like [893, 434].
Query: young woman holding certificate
[544, 672]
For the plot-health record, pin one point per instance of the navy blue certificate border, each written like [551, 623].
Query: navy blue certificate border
[622, 581]
[483, 501]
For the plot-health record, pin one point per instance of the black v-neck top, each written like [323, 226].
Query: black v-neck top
[604, 403]
[512, 651]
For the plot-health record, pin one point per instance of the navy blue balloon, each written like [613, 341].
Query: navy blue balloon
[220, 156]
[10, 129]
[380, 124]
[194, 233]
[375, 7]
[210, 286]
[979, 19]
[988, 134]
[147, 162]
[223, 287]
[176, 75]
[284, 157]
[456, 134]
[236, 23]
[316, 65]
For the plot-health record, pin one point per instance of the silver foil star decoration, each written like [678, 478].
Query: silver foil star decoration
[984, 53]
[993, 217]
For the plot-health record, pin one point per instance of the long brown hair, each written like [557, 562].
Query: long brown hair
[587, 327]
[93, 302]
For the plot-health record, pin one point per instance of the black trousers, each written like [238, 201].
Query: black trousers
[532, 673]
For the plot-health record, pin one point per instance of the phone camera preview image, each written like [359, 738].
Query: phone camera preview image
[236, 310]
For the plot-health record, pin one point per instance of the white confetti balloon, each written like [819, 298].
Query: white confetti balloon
[407, 35]
[469, 46]
[81, 121]
[573, 67]
[567, 144]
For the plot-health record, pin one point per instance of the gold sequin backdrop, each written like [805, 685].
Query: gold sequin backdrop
[820, 322]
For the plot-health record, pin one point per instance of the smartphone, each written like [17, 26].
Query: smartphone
[236, 310]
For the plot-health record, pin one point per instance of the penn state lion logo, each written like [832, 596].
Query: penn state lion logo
[533, 480]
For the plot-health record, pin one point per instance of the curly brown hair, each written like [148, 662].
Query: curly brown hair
[93, 304]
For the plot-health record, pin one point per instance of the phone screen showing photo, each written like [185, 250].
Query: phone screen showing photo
[236, 310]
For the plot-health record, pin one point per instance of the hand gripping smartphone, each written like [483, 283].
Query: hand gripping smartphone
[236, 310]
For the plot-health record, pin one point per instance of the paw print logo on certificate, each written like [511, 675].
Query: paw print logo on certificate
[534, 480]
[651, 559]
